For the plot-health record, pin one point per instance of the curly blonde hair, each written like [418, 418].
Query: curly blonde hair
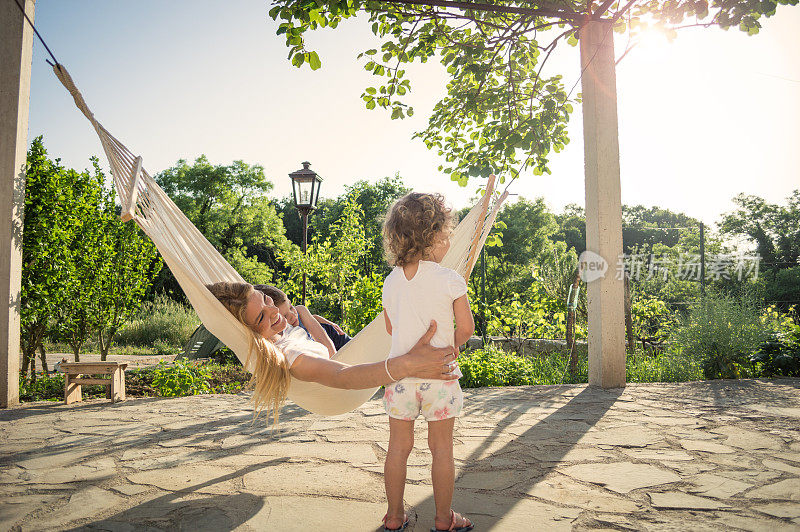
[413, 225]
[270, 378]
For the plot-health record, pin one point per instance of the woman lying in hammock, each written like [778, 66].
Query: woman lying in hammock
[282, 351]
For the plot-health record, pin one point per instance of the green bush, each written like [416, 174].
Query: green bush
[51, 388]
[721, 333]
[181, 378]
[660, 366]
[652, 320]
[44, 388]
[494, 367]
[160, 322]
[780, 354]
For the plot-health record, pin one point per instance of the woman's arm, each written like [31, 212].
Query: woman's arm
[465, 324]
[421, 361]
[314, 329]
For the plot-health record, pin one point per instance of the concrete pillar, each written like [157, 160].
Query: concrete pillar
[16, 52]
[603, 205]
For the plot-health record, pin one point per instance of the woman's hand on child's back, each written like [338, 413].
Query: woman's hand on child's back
[427, 362]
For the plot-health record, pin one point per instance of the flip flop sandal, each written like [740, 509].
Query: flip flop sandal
[453, 528]
[402, 527]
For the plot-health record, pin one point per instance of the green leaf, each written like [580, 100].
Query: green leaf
[313, 61]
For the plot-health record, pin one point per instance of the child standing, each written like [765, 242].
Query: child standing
[416, 237]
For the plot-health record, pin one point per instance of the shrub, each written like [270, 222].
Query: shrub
[181, 378]
[780, 354]
[721, 333]
[660, 366]
[162, 320]
[652, 320]
[44, 388]
[494, 367]
[51, 388]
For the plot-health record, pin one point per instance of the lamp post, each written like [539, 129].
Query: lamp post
[305, 189]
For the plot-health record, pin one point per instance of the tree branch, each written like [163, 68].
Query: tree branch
[490, 8]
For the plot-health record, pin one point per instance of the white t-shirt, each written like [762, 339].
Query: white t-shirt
[411, 304]
[295, 341]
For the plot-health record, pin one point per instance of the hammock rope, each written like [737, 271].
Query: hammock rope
[195, 263]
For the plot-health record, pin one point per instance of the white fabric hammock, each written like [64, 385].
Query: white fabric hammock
[195, 263]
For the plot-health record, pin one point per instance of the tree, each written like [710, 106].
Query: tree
[643, 227]
[332, 265]
[775, 229]
[45, 245]
[228, 204]
[571, 228]
[374, 200]
[76, 318]
[130, 262]
[501, 114]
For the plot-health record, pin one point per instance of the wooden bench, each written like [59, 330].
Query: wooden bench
[73, 380]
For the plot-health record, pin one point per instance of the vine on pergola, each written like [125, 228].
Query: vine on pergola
[501, 114]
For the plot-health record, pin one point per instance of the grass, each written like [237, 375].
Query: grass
[162, 324]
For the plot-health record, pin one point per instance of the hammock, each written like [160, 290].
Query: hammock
[195, 263]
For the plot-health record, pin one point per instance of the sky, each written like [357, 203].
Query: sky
[713, 114]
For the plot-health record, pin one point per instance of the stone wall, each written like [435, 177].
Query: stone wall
[530, 346]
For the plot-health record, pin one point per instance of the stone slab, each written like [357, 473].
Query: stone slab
[565, 491]
[706, 447]
[784, 510]
[621, 477]
[659, 455]
[780, 466]
[352, 453]
[199, 478]
[677, 500]
[622, 437]
[14, 508]
[85, 503]
[748, 439]
[130, 489]
[334, 480]
[786, 490]
[711, 485]
[292, 513]
[737, 521]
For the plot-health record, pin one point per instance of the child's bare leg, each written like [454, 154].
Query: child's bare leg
[440, 442]
[401, 441]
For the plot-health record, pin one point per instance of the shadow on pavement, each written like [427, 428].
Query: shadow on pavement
[181, 511]
[559, 431]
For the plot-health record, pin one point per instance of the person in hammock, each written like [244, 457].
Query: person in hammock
[334, 335]
[281, 351]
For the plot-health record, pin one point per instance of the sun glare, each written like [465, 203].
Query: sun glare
[652, 43]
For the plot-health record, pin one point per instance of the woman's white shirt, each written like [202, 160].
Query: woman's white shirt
[294, 341]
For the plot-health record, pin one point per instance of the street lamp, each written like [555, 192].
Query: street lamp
[305, 189]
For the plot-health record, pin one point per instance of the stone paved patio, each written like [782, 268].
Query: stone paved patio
[698, 456]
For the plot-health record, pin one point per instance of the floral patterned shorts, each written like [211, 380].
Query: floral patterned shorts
[434, 400]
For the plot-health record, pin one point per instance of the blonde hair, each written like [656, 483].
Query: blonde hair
[270, 378]
[412, 226]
